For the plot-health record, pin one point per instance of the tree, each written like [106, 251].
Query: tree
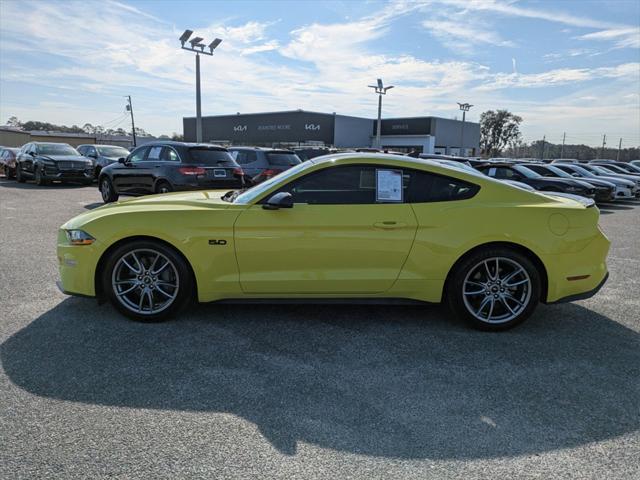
[177, 137]
[14, 122]
[497, 130]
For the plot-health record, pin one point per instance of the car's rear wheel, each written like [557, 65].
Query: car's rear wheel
[163, 187]
[19, 175]
[107, 191]
[494, 289]
[147, 281]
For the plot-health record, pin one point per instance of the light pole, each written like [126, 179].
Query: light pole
[465, 108]
[196, 44]
[133, 125]
[380, 89]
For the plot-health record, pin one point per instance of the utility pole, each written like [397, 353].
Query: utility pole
[380, 89]
[133, 125]
[465, 108]
[564, 136]
[619, 147]
[604, 142]
[544, 138]
[198, 48]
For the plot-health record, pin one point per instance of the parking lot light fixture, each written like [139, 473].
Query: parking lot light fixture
[380, 89]
[198, 47]
[464, 107]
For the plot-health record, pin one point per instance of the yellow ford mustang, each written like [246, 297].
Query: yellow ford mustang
[345, 226]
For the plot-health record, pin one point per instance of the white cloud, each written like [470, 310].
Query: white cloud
[623, 37]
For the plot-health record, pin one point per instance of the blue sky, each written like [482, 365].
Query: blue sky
[564, 66]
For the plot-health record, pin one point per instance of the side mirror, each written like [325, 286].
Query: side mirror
[122, 160]
[92, 155]
[279, 200]
[575, 175]
[32, 153]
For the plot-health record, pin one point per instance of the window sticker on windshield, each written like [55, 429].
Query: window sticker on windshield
[388, 185]
[154, 153]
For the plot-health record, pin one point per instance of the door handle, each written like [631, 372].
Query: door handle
[389, 224]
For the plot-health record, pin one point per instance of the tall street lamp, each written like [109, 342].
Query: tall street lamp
[380, 89]
[198, 47]
[465, 108]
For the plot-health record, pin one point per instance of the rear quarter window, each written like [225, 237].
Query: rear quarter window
[427, 187]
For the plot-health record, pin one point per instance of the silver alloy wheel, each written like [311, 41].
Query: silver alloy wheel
[145, 281]
[105, 189]
[496, 290]
[164, 189]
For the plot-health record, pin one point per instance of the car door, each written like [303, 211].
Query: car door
[124, 176]
[340, 237]
[149, 169]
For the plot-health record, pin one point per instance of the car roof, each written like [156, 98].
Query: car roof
[262, 149]
[173, 143]
[100, 145]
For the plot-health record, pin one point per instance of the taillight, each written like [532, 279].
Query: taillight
[192, 170]
[238, 171]
[271, 172]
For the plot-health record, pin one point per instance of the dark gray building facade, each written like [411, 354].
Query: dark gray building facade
[300, 127]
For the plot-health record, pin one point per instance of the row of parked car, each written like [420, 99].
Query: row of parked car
[165, 166]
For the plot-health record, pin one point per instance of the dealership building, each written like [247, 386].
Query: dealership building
[301, 128]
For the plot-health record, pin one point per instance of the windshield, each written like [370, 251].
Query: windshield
[254, 192]
[582, 171]
[115, 152]
[559, 172]
[56, 149]
[209, 156]
[283, 158]
[526, 172]
[602, 170]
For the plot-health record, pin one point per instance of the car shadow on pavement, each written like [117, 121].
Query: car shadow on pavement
[33, 186]
[400, 382]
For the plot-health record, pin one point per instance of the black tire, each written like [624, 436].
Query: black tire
[107, 191]
[38, 177]
[96, 172]
[163, 187]
[8, 173]
[176, 269]
[86, 183]
[516, 302]
[19, 175]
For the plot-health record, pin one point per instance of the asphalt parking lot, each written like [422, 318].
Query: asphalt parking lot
[308, 392]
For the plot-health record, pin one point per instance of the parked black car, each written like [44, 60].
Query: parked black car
[160, 167]
[102, 155]
[624, 188]
[605, 191]
[47, 162]
[260, 164]
[618, 167]
[510, 171]
[8, 161]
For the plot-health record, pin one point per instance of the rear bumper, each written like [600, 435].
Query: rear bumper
[583, 295]
[577, 275]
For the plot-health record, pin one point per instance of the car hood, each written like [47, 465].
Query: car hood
[211, 199]
[619, 179]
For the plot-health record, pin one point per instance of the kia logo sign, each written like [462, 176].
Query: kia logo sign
[312, 126]
[240, 128]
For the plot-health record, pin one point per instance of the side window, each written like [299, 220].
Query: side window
[502, 172]
[138, 154]
[90, 151]
[243, 157]
[348, 185]
[81, 150]
[154, 153]
[428, 187]
[168, 155]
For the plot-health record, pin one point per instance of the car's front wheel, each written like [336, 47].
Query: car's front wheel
[40, 180]
[19, 175]
[147, 281]
[107, 191]
[494, 289]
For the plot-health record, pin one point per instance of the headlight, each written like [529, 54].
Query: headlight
[79, 237]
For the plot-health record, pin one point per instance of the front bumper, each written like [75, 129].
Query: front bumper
[67, 175]
[77, 266]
